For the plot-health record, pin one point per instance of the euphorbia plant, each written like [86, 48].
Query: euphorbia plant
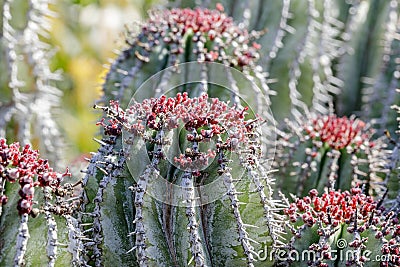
[22, 173]
[194, 151]
[170, 37]
[344, 228]
[182, 177]
[330, 151]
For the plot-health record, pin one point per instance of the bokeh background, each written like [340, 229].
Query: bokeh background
[86, 35]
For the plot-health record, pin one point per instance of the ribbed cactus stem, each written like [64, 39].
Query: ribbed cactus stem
[140, 190]
[52, 229]
[109, 161]
[196, 247]
[33, 98]
[233, 85]
[75, 244]
[130, 74]
[235, 205]
[283, 29]
[298, 107]
[383, 89]
[11, 43]
[333, 169]
[163, 86]
[8, 33]
[190, 200]
[106, 148]
[22, 241]
[51, 239]
[357, 239]
[263, 102]
[322, 55]
[318, 248]
[140, 232]
[204, 79]
[271, 206]
[303, 173]
[97, 226]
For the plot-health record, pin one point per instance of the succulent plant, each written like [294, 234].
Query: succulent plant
[183, 176]
[173, 36]
[22, 172]
[332, 152]
[198, 150]
[316, 50]
[338, 228]
[29, 98]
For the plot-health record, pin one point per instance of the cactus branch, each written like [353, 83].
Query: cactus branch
[22, 241]
[235, 205]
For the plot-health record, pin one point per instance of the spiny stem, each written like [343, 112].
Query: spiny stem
[373, 92]
[232, 193]
[298, 107]
[163, 85]
[271, 207]
[334, 167]
[140, 190]
[97, 226]
[196, 248]
[22, 241]
[75, 245]
[189, 198]
[52, 229]
[280, 34]
[128, 79]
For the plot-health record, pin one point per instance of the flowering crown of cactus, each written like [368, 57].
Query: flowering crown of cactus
[365, 223]
[325, 150]
[202, 120]
[338, 132]
[215, 36]
[30, 171]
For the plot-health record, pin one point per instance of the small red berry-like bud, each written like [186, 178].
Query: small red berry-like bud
[12, 175]
[313, 193]
[190, 137]
[27, 191]
[220, 7]
[337, 132]
[24, 206]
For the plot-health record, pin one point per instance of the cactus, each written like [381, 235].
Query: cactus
[170, 37]
[29, 98]
[195, 123]
[183, 176]
[330, 151]
[316, 50]
[21, 172]
[340, 223]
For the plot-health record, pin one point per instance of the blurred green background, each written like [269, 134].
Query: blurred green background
[86, 34]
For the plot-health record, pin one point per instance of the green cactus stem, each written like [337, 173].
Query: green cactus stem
[158, 228]
[21, 172]
[324, 151]
[349, 223]
[381, 94]
[319, 51]
[170, 37]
